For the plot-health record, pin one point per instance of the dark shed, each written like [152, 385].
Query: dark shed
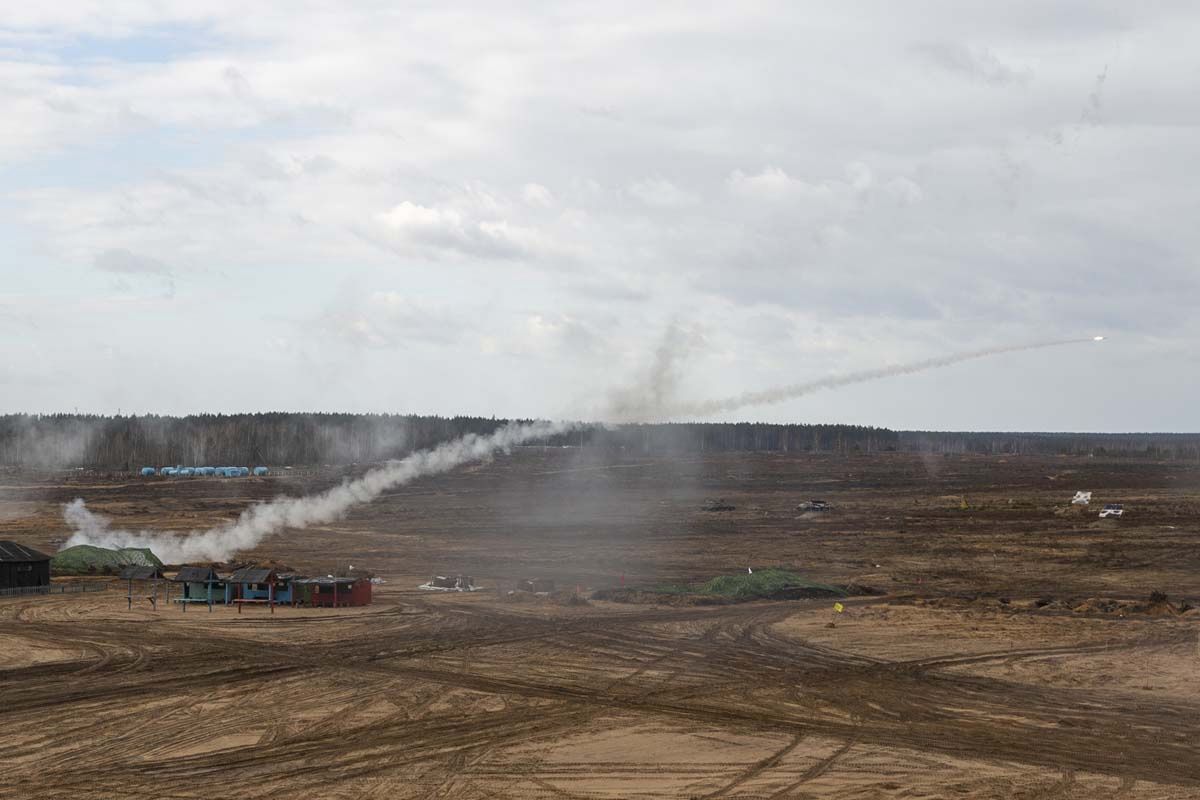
[143, 575]
[20, 566]
[136, 573]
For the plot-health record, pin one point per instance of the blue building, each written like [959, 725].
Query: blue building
[260, 585]
[201, 585]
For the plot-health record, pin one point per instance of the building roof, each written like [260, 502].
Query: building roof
[135, 573]
[196, 575]
[11, 551]
[327, 581]
[252, 575]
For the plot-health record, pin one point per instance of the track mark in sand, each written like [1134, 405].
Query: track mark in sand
[815, 771]
[1126, 787]
[1062, 785]
[759, 767]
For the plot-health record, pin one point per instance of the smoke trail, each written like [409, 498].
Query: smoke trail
[265, 519]
[660, 384]
[779, 394]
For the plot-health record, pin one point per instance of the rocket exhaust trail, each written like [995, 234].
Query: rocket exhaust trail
[265, 519]
[780, 394]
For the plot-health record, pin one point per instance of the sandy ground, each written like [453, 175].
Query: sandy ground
[972, 676]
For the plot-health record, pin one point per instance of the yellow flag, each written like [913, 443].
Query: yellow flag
[838, 607]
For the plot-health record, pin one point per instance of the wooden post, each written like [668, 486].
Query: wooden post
[210, 583]
[129, 598]
[335, 592]
[271, 596]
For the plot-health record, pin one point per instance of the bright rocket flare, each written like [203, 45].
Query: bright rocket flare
[1097, 338]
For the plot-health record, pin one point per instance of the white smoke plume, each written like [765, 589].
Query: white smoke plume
[656, 407]
[265, 519]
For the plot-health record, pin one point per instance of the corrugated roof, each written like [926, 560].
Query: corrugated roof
[329, 581]
[196, 575]
[135, 573]
[11, 551]
[251, 575]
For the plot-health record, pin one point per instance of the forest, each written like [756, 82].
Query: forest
[55, 441]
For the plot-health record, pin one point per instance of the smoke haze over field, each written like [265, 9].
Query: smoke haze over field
[656, 399]
[264, 519]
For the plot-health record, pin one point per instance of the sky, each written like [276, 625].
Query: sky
[507, 209]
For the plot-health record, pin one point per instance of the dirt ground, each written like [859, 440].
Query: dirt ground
[1013, 652]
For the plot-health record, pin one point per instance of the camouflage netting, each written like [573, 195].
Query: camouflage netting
[86, 559]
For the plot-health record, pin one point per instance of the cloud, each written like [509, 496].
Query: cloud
[125, 262]
[661, 193]
[977, 63]
[442, 229]
[559, 186]
[390, 319]
[537, 195]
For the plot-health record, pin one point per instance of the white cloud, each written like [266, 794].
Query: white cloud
[123, 261]
[391, 319]
[537, 195]
[973, 61]
[446, 230]
[945, 180]
[662, 193]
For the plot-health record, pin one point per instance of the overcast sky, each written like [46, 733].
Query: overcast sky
[501, 208]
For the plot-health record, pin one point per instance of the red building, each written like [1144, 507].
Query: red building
[335, 592]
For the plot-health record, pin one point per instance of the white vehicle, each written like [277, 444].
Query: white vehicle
[1112, 510]
[1081, 499]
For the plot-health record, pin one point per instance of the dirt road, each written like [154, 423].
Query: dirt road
[941, 688]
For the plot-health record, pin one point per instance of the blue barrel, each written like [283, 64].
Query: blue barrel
[148, 472]
[243, 471]
[260, 471]
[168, 471]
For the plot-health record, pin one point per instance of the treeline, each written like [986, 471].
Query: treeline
[718, 437]
[274, 439]
[67, 440]
[278, 439]
[1145, 445]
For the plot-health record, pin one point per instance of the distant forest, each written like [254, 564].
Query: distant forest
[276, 439]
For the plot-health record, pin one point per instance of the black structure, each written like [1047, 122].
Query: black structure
[21, 567]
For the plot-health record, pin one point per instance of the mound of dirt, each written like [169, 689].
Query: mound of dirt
[641, 596]
[563, 598]
[1097, 605]
[85, 559]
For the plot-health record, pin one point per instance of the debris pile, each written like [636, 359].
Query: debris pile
[447, 583]
[536, 585]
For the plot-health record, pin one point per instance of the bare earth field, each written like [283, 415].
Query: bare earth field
[994, 663]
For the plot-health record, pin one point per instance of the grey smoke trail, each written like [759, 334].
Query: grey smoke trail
[265, 519]
[660, 384]
[780, 394]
